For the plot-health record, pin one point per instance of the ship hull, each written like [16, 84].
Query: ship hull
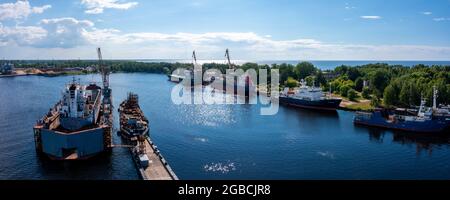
[242, 90]
[427, 126]
[72, 146]
[325, 104]
[179, 79]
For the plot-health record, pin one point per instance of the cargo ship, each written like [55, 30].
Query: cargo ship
[79, 126]
[425, 120]
[309, 98]
[133, 123]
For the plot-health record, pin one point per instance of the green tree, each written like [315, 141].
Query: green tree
[375, 101]
[352, 95]
[366, 93]
[291, 82]
[310, 80]
[320, 79]
[304, 69]
[390, 97]
[359, 83]
[379, 79]
[344, 90]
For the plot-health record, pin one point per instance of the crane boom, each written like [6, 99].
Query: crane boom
[107, 106]
[227, 56]
[103, 69]
[194, 57]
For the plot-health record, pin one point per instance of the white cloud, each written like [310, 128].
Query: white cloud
[372, 17]
[71, 38]
[51, 33]
[349, 7]
[98, 6]
[250, 46]
[22, 35]
[19, 10]
[426, 13]
[439, 19]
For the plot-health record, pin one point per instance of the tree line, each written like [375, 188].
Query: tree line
[383, 84]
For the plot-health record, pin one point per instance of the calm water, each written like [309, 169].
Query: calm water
[218, 142]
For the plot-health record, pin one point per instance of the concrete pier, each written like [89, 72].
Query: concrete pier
[158, 168]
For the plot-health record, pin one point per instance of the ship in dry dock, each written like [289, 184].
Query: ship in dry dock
[79, 126]
[133, 123]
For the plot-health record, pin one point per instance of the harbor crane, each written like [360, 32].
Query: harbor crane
[227, 56]
[107, 106]
[194, 58]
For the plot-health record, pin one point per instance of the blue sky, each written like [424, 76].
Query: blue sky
[252, 29]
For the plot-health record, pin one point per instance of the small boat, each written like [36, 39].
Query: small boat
[133, 123]
[309, 97]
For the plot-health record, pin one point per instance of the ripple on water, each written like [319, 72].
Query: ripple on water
[326, 154]
[220, 167]
[201, 139]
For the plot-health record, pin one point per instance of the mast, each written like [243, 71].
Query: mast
[329, 94]
[435, 95]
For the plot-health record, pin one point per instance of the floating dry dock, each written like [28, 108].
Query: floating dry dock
[150, 164]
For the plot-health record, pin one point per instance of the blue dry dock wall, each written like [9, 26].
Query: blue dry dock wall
[87, 142]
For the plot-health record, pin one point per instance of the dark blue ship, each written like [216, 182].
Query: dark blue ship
[309, 97]
[426, 120]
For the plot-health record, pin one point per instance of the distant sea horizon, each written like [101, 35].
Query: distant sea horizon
[322, 64]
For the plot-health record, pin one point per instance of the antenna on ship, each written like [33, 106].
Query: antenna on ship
[435, 96]
[330, 90]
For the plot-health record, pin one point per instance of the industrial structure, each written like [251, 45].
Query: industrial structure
[79, 126]
[7, 68]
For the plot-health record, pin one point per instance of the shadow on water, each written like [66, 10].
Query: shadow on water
[97, 167]
[423, 141]
[426, 142]
[319, 114]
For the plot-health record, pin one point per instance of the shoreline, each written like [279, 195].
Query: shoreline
[341, 107]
